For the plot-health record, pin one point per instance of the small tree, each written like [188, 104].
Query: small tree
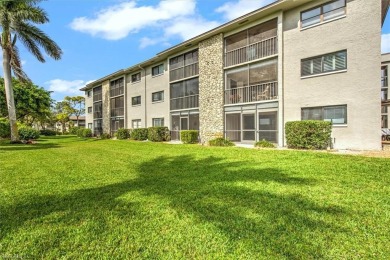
[75, 106]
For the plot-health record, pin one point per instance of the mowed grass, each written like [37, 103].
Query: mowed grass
[103, 199]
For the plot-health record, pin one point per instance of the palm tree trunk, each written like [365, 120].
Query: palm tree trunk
[9, 93]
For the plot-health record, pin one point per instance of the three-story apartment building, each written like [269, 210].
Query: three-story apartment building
[290, 60]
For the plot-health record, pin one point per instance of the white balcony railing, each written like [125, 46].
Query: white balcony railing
[258, 50]
[185, 102]
[254, 93]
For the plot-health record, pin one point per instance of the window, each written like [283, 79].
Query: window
[158, 70]
[184, 94]
[117, 87]
[117, 106]
[97, 94]
[135, 101]
[184, 66]
[158, 122]
[89, 110]
[136, 77]
[98, 110]
[334, 114]
[89, 93]
[136, 123]
[323, 13]
[89, 125]
[325, 63]
[158, 96]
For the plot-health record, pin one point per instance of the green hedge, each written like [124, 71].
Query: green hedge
[139, 134]
[220, 141]
[28, 133]
[105, 136]
[47, 132]
[123, 134]
[189, 136]
[159, 134]
[84, 132]
[73, 130]
[308, 134]
[264, 144]
[5, 128]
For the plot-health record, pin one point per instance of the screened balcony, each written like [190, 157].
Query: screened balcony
[252, 83]
[384, 85]
[254, 93]
[254, 43]
[185, 102]
[184, 66]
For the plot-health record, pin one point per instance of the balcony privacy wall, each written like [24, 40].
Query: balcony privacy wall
[106, 106]
[211, 87]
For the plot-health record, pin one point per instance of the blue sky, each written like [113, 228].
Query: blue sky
[99, 37]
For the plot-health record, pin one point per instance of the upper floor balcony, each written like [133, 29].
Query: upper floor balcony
[258, 50]
[252, 93]
[252, 44]
[384, 89]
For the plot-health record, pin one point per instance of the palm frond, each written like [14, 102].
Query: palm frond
[16, 64]
[31, 34]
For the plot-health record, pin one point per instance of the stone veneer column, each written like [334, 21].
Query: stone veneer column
[211, 88]
[106, 106]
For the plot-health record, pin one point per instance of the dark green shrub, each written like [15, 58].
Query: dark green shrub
[308, 134]
[28, 133]
[159, 134]
[189, 136]
[123, 134]
[73, 130]
[105, 136]
[220, 141]
[47, 132]
[80, 132]
[139, 134]
[58, 133]
[86, 132]
[5, 130]
[264, 144]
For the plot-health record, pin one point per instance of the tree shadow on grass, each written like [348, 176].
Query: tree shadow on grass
[28, 147]
[234, 197]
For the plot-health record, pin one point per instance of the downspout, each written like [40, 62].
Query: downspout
[146, 117]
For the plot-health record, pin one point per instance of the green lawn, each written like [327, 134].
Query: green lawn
[71, 198]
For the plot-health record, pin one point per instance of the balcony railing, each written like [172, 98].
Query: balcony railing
[384, 82]
[251, 52]
[185, 102]
[120, 111]
[254, 93]
[184, 72]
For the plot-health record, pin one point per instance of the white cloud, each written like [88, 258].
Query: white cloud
[146, 41]
[234, 9]
[118, 21]
[188, 27]
[65, 87]
[386, 43]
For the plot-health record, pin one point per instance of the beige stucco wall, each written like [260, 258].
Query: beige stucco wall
[153, 109]
[88, 103]
[211, 88]
[360, 33]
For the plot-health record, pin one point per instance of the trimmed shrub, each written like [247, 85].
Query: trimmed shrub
[139, 134]
[105, 136]
[73, 130]
[5, 128]
[86, 132]
[159, 134]
[308, 134]
[220, 141]
[264, 144]
[28, 133]
[58, 133]
[47, 132]
[80, 132]
[189, 136]
[123, 134]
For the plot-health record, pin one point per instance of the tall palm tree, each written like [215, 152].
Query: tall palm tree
[17, 22]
